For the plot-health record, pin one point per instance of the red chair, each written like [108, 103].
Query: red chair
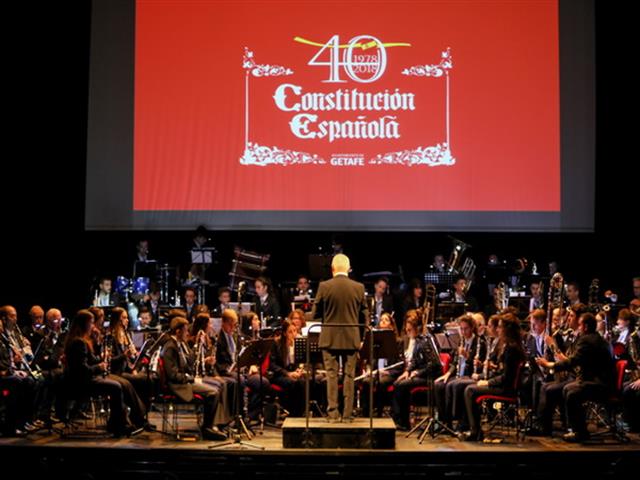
[172, 405]
[612, 408]
[420, 395]
[506, 407]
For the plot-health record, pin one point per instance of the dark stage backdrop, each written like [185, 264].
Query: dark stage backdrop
[47, 257]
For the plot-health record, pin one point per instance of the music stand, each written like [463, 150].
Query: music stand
[258, 351]
[244, 358]
[315, 356]
[384, 346]
[431, 421]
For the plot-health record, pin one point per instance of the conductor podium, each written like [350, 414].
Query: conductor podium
[339, 435]
[361, 433]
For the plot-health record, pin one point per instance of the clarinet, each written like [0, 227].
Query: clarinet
[106, 354]
[485, 367]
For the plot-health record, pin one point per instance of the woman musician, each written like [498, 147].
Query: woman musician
[511, 359]
[284, 372]
[123, 356]
[421, 362]
[84, 375]
[384, 371]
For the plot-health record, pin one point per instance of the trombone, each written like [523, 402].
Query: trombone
[429, 307]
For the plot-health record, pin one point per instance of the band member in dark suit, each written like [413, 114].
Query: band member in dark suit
[449, 392]
[631, 390]
[421, 362]
[535, 346]
[190, 303]
[267, 305]
[562, 344]
[340, 301]
[511, 360]
[224, 297]
[178, 362]
[381, 302]
[596, 376]
[104, 296]
[226, 348]
[19, 387]
[413, 300]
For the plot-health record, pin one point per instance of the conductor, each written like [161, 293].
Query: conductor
[340, 301]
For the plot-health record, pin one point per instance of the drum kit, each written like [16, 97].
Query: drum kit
[133, 291]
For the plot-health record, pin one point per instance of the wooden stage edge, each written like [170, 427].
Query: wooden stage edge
[150, 454]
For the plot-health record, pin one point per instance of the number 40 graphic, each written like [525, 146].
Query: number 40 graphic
[355, 64]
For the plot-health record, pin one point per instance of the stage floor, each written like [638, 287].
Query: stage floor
[442, 456]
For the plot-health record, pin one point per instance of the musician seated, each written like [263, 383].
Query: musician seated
[385, 373]
[510, 358]
[381, 302]
[224, 297]
[204, 350]
[421, 362]
[284, 372]
[449, 388]
[226, 348]
[296, 317]
[33, 331]
[625, 325]
[178, 361]
[485, 369]
[631, 403]
[596, 375]
[535, 347]
[267, 305]
[122, 365]
[48, 359]
[86, 374]
[631, 390]
[104, 297]
[562, 343]
[19, 386]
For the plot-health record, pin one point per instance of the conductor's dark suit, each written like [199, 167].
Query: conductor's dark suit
[340, 301]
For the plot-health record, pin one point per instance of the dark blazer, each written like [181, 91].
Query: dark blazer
[6, 357]
[387, 305]
[176, 371]
[510, 362]
[270, 310]
[224, 360]
[531, 351]
[277, 367]
[593, 357]
[477, 342]
[82, 364]
[340, 300]
[425, 359]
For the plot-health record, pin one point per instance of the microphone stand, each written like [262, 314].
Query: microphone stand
[240, 426]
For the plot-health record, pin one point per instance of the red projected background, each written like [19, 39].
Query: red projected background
[347, 106]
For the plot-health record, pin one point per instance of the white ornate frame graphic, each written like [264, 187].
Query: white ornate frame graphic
[437, 155]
